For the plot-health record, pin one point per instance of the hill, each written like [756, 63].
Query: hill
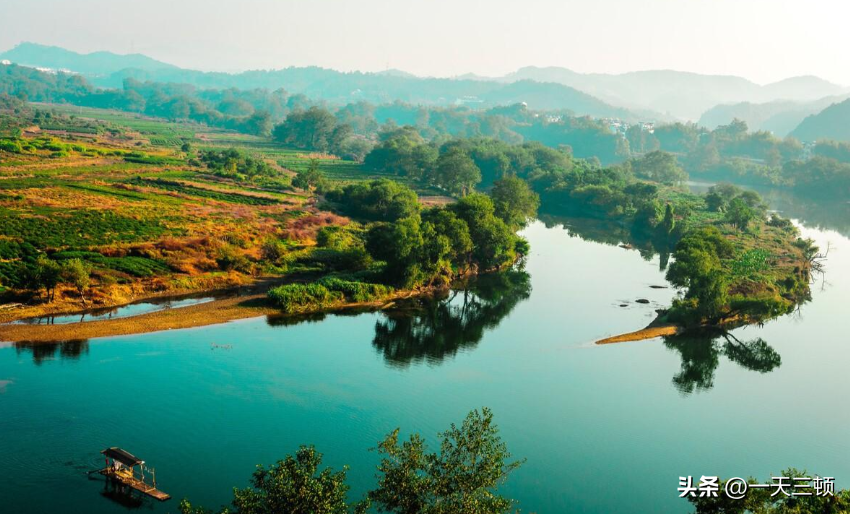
[659, 95]
[680, 94]
[780, 117]
[95, 64]
[830, 123]
[802, 88]
[109, 70]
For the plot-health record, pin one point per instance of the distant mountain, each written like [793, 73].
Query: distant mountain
[551, 96]
[95, 64]
[779, 117]
[831, 123]
[396, 73]
[680, 94]
[802, 88]
[661, 95]
[106, 69]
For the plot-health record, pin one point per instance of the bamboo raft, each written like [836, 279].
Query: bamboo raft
[120, 467]
[136, 484]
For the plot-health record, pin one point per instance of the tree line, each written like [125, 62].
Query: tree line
[463, 476]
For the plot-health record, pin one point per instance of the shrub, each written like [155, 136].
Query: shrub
[299, 297]
[356, 291]
[383, 200]
[228, 259]
[273, 250]
[328, 259]
[10, 145]
[336, 237]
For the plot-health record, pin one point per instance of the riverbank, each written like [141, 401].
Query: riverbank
[122, 296]
[250, 302]
[650, 332]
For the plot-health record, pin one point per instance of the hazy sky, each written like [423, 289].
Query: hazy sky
[764, 40]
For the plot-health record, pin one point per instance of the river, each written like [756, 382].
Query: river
[603, 429]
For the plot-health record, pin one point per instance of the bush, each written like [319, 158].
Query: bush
[328, 259]
[336, 237]
[273, 250]
[10, 145]
[382, 200]
[228, 258]
[299, 297]
[356, 291]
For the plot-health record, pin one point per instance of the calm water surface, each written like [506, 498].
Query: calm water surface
[125, 311]
[604, 429]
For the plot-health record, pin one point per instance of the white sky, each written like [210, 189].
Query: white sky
[763, 40]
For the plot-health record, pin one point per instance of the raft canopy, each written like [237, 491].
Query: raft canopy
[122, 456]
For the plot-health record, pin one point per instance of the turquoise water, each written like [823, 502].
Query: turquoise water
[603, 429]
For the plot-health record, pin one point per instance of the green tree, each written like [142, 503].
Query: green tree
[400, 245]
[294, 485]
[765, 501]
[660, 167]
[259, 123]
[77, 273]
[494, 244]
[310, 178]
[514, 201]
[447, 223]
[669, 221]
[50, 273]
[311, 129]
[381, 200]
[715, 201]
[463, 477]
[402, 151]
[457, 173]
[739, 213]
[699, 267]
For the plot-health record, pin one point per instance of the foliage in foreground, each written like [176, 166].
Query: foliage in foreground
[462, 478]
[764, 501]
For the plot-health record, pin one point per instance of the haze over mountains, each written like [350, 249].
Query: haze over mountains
[780, 116]
[661, 95]
[679, 94]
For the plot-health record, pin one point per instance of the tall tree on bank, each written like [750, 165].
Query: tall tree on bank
[457, 173]
[514, 200]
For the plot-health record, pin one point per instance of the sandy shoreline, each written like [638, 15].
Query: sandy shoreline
[209, 313]
[642, 334]
[252, 305]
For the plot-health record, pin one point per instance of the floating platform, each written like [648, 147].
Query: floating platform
[135, 483]
[121, 469]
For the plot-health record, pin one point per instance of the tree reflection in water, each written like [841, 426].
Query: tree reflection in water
[613, 234]
[436, 329]
[701, 353]
[43, 351]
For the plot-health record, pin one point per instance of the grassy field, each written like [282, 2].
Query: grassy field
[118, 192]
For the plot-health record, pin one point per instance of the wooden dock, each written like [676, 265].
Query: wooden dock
[135, 483]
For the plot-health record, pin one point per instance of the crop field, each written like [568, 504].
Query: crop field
[119, 193]
[134, 122]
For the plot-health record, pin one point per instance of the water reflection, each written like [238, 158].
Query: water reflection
[46, 351]
[812, 213]
[701, 351]
[829, 215]
[123, 497]
[288, 320]
[107, 313]
[437, 329]
[610, 233]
